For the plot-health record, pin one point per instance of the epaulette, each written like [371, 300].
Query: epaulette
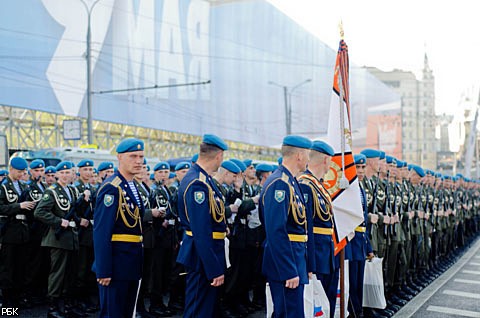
[202, 177]
[285, 177]
[53, 186]
[5, 181]
[77, 183]
[116, 182]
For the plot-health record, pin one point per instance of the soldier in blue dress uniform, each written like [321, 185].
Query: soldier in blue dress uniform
[319, 206]
[202, 214]
[361, 249]
[117, 234]
[282, 212]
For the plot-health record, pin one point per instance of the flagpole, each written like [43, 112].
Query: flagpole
[343, 181]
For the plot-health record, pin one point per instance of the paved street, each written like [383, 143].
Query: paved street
[454, 294]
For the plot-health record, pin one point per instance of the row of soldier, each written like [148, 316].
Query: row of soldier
[415, 221]
[419, 221]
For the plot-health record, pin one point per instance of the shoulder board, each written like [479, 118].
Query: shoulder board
[285, 177]
[76, 184]
[116, 182]
[5, 181]
[202, 177]
[53, 186]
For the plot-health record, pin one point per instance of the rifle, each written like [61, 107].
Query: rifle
[418, 194]
[375, 192]
[388, 206]
[394, 209]
[69, 216]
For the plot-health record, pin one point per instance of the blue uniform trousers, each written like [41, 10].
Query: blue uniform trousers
[330, 285]
[118, 299]
[356, 271]
[287, 302]
[200, 296]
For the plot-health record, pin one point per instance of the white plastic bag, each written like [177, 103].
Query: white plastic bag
[308, 300]
[269, 301]
[315, 300]
[373, 289]
[321, 306]
[227, 252]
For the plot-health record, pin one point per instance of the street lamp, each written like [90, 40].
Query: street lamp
[89, 71]
[287, 94]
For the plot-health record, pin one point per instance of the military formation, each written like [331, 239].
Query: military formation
[419, 221]
[208, 236]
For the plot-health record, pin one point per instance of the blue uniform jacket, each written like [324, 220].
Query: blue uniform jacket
[200, 251]
[360, 244]
[116, 259]
[283, 259]
[325, 260]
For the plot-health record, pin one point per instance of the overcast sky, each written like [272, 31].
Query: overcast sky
[396, 34]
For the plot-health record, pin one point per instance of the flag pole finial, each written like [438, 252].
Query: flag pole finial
[340, 29]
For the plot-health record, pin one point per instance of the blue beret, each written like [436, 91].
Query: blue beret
[72, 163]
[419, 170]
[429, 172]
[438, 175]
[162, 166]
[3, 173]
[280, 160]
[130, 145]
[239, 163]
[152, 176]
[391, 159]
[148, 168]
[95, 170]
[18, 163]
[85, 163]
[144, 160]
[248, 162]
[382, 155]
[297, 141]
[370, 153]
[183, 165]
[50, 169]
[274, 167]
[195, 158]
[360, 159]
[459, 175]
[64, 165]
[231, 166]
[264, 167]
[105, 165]
[399, 164]
[215, 141]
[172, 175]
[37, 163]
[323, 147]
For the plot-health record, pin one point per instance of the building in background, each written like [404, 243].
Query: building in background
[168, 72]
[418, 120]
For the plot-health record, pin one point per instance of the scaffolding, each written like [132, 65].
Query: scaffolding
[28, 129]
